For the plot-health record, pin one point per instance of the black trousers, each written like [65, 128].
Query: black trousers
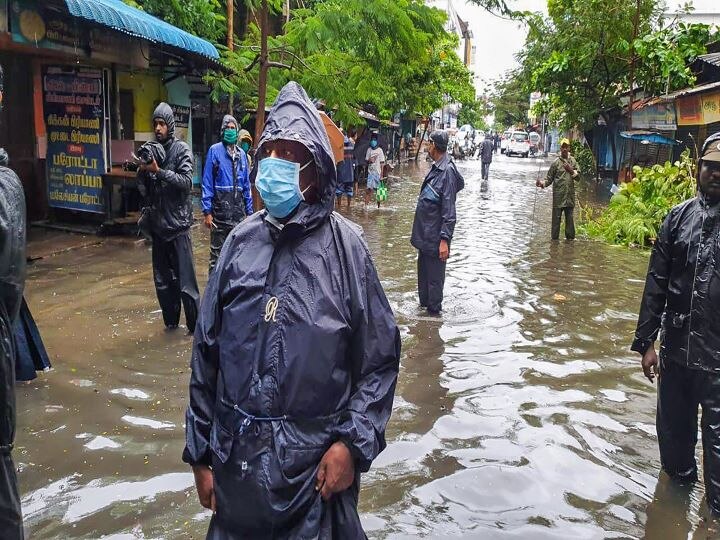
[431, 281]
[11, 526]
[569, 222]
[175, 282]
[218, 235]
[680, 391]
[485, 169]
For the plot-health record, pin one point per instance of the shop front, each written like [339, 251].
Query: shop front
[80, 91]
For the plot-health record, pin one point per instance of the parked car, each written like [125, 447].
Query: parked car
[518, 144]
[504, 140]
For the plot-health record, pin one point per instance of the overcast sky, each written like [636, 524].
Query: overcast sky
[498, 40]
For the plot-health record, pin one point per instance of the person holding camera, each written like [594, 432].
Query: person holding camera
[226, 195]
[165, 179]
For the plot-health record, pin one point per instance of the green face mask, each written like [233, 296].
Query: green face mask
[245, 146]
[230, 136]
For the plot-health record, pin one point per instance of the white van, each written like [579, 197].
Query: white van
[519, 144]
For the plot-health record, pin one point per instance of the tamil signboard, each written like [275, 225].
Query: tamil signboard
[74, 108]
[699, 109]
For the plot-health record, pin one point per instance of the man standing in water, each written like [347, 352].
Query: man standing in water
[226, 195]
[680, 303]
[434, 222]
[167, 188]
[12, 281]
[296, 353]
[563, 173]
[486, 154]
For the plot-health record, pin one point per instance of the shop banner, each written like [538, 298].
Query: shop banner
[74, 108]
[689, 111]
[660, 116]
[182, 121]
[36, 24]
[711, 108]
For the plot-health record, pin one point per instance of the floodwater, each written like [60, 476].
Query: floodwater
[519, 413]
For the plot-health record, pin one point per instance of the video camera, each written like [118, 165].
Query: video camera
[148, 152]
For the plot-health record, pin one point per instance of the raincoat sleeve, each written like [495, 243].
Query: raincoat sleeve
[181, 177]
[375, 363]
[655, 293]
[208, 182]
[245, 183]
[203, 378]
[449, 192]
[12, 242]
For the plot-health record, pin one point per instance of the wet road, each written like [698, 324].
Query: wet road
[519, 414]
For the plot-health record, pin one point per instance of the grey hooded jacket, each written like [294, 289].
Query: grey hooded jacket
[168, 192]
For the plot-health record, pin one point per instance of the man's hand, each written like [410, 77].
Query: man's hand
[568, 168]
[650, 363]
[540, 184]
[444, 251]
[205, 486]
[150, 167]
[336, 472]
[208, 221]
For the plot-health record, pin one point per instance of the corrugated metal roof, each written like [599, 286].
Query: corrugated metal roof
[119, 16]
[711, 58]
[693, 90]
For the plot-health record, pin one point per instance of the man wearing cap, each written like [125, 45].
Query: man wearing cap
[346, 172]
[680, 304]
[226, 195]
[434, 222]
[166, 187]
[563, 174]
[375, 158]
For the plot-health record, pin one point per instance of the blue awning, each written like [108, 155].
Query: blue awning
[648, 137]
[119, 16]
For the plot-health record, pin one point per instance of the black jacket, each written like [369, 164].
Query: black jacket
[487, 149]
[435, 211]
[12, 280]
[168, 192]
[682, 290]
[296, 347]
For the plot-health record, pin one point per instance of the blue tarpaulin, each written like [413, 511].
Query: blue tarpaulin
[648, 137]
[123, 18]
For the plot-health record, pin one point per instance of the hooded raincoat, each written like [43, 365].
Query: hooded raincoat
[226, 183]
[296, 347]
[435, 212]
[682, 290]
[12, 280]
[168, 192]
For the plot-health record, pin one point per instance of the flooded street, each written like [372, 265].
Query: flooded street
[520, 413]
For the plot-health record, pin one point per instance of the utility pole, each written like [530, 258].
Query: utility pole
[230, 41]
[262, 79]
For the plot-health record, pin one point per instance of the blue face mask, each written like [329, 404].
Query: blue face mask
[373, 143]
[278, 182]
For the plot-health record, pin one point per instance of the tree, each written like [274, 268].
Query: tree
[474, 114]
[203, 18]
[510, 100]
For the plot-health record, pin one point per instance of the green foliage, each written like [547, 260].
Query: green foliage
[390, 54]
[584, 157]
[474, 114]
[636, 212]
[510, 100]
[203, 18]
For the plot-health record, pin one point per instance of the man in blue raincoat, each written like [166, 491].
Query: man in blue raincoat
[434, 223]
[296, 352]
[226, 195]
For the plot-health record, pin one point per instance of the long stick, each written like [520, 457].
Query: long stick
[537, 178]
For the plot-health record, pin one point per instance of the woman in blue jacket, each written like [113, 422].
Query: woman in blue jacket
[296, 352]
[226, 194]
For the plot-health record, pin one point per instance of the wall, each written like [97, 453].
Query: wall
[148, 91]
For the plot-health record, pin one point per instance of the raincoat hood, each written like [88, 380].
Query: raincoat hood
[165, 113]
[227, 119]
[293, 117]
